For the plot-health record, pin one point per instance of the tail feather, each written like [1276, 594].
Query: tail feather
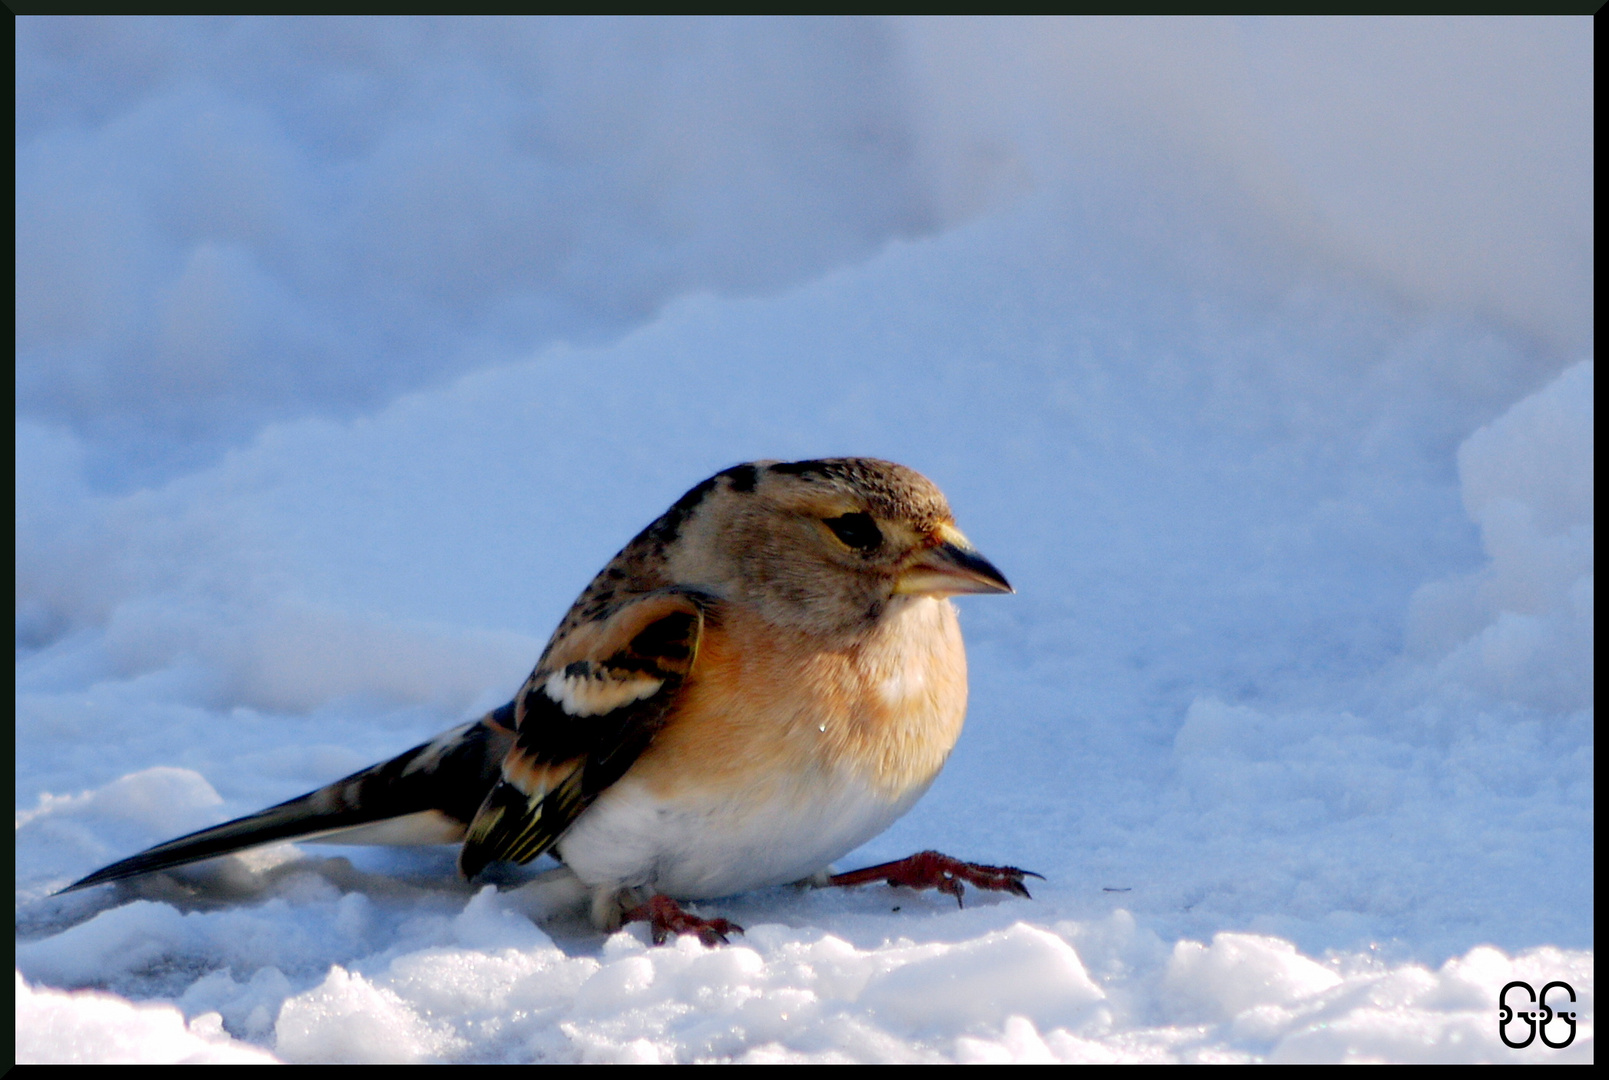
[451, 775]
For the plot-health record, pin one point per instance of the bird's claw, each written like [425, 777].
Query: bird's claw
[665, 917]
[933, 870]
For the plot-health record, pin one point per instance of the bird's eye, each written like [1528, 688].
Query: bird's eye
[857, 530]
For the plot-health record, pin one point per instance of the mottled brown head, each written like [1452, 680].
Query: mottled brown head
[823, 545]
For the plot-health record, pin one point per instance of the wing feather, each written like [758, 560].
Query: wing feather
[583, 717]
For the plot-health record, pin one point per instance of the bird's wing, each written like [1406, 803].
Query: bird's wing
[435, 788]
[586, 713]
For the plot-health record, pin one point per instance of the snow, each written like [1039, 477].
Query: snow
[1255, 353]
[89, 1027]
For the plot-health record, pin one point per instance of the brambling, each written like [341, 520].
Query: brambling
[765, 678]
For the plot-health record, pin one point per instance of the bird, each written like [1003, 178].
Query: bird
[765, 678]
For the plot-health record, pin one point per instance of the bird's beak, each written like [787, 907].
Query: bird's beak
[949, 566]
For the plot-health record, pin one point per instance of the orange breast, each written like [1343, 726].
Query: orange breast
[765, 708]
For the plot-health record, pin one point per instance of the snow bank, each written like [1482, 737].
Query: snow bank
[485, 985]
[1521, 628]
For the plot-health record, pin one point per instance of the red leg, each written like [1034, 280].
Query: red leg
[665, 917]
[931, 870]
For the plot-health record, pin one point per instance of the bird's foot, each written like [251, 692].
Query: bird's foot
[665, 917]
[932, 870]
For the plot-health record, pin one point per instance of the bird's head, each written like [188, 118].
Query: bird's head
[826, 545]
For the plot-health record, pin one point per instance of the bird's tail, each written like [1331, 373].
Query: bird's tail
[437, 786]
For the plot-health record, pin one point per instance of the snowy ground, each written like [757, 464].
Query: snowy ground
[1256, 354]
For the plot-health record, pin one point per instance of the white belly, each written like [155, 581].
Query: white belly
[712, 846]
